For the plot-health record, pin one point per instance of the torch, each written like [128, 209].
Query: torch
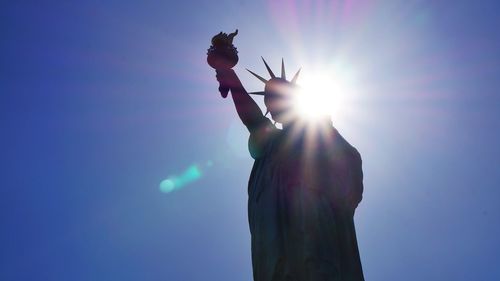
[222, 55]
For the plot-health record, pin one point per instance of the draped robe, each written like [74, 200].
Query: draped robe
[303, 189]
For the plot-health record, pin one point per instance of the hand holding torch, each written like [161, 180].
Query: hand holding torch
[222, 55]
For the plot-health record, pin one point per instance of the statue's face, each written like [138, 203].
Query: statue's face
[279, 101]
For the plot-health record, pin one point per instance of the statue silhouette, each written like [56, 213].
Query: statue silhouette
[305, 185]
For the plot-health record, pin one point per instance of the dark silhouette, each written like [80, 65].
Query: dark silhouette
[222, 54]
[305, 185]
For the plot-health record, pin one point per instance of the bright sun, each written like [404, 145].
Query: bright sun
[322, 93]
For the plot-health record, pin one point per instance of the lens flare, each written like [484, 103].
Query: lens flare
[190, 175]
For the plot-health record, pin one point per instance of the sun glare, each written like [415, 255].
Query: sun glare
[322, 93]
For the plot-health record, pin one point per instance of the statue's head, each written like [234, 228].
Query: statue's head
[279, 95]
[279, 100]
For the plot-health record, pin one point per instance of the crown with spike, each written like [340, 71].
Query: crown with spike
[270, 87]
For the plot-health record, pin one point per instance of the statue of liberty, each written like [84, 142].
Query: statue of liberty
[304, 187]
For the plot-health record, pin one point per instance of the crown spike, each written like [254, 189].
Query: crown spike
[268, 69]
[258, 77]
[257, 93]
[283, 75]
[294, 79]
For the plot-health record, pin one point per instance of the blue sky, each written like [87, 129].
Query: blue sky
[102, 100]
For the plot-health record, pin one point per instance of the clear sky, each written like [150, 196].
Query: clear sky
[100, 101]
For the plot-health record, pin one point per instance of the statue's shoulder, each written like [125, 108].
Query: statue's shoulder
[344, 146]
[261, 137]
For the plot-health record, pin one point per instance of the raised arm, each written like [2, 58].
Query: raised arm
[248, 111]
